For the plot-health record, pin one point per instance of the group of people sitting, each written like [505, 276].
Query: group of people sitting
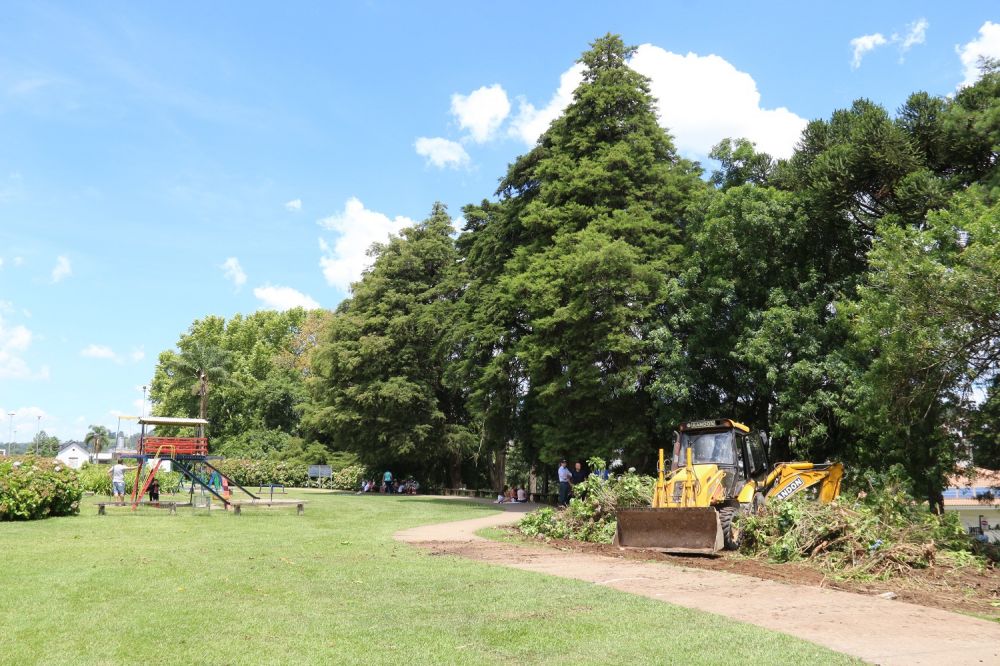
[394, 486]
[512, 494]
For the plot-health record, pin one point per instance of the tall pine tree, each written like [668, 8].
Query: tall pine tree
[568, 273]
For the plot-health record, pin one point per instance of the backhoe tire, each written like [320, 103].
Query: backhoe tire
[730, 533]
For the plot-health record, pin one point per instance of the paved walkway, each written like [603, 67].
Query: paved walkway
[877, 630]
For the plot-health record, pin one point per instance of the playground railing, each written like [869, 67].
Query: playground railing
[178, 446]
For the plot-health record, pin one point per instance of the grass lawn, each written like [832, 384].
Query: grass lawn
[330, 586]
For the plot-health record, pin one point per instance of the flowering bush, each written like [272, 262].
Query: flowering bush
[33, 488]
[348, 478]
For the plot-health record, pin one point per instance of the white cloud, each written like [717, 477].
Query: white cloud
[295, 205]
[701, 100]
[14, 340]
[99, 351]
[482, 111]
[987, 45]
[357, 228]
[530, 123]
[863, 45]
[18, 261]
[916, 33]
[234, 272]
[704, 99]
[1, 262]
[61, 270]
[106, 353]
[284, 298]
[441, 152]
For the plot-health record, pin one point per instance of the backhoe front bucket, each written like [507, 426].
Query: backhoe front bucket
[676, 530]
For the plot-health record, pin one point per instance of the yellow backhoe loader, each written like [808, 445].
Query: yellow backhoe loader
[719, 469]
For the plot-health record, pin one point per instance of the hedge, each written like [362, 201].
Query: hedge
[263, 472]
[33, 488]
[97, 479]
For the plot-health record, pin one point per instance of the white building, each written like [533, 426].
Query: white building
[977, 501]
[73, 455]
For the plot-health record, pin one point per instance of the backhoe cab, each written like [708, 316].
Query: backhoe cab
[719, 469]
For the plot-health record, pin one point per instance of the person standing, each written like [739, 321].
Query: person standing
[579, 476]
[117, 473]
[565, 478]
[387, 481]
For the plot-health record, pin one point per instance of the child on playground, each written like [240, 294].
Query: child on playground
[154, 490]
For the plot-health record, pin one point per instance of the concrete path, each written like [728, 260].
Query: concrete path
[877, 630]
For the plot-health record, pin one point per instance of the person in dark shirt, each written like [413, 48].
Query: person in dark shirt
[579, 476]
[154, 490]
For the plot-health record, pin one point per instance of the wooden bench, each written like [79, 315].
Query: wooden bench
[170, 506]
[299, 505]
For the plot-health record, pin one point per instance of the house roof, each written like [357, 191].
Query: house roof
[978, 486]
[70, 444]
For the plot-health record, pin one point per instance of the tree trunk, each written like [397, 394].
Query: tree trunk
[203, 407]
[935, 499]
[498, 468]
[455, 470]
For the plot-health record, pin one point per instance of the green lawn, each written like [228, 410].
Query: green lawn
[330, 586]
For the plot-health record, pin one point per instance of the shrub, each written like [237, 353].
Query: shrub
[96, 479]
[33, 488]
[264, 472]
[590, 515]
[348, 478]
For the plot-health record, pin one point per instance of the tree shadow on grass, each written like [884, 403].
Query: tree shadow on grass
[464, 502]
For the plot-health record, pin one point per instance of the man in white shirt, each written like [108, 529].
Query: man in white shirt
[117, 473]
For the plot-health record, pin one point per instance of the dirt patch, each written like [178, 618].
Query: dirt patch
[961, 590]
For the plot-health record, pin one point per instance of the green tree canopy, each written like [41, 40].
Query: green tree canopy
[378, 384]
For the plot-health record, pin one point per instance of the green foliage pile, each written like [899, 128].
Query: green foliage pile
[349, 478]
[96, 479]
[883, 535]
[33, 487]
[590, 515]
[248, 472]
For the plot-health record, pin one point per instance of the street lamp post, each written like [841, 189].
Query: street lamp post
[11, 438]
[38, 431]
[143, 410]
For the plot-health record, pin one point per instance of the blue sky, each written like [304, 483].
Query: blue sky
[160, 162]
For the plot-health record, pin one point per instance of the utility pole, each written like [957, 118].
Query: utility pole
[38, 431]
[11, 437]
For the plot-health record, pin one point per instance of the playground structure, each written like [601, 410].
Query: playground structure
[188, 455]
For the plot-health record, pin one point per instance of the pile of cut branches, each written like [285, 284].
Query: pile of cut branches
[881, 535]
[591, 513]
